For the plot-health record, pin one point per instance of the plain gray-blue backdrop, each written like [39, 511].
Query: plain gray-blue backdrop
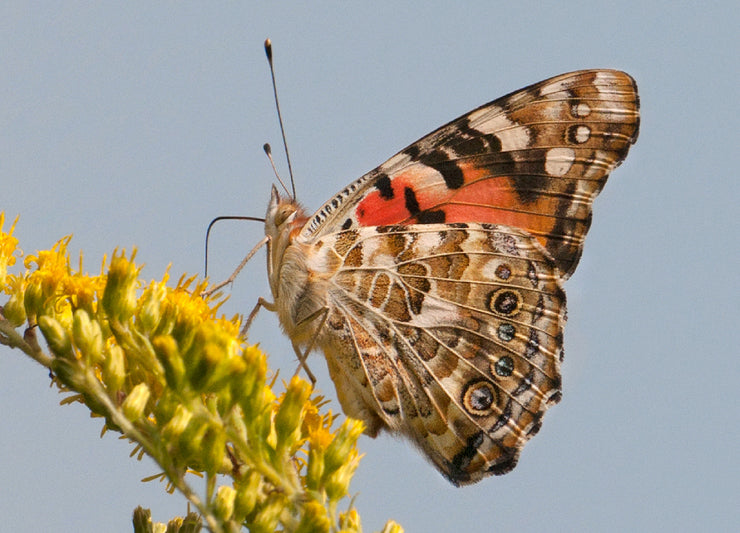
[136, 123]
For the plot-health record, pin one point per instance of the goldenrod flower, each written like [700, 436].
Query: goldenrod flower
[8, 245]
[162, 367]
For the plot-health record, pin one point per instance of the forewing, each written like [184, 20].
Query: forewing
[534, 159]
[450, 334]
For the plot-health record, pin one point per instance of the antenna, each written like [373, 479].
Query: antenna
[268, 51]
[268, 151]
[208, 233]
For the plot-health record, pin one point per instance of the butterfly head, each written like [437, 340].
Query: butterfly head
[279, 211]
[283, 222]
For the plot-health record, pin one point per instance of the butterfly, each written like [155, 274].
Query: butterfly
[433, 284]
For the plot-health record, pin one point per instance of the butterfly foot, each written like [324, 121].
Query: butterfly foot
[261, 302]
[308, 372]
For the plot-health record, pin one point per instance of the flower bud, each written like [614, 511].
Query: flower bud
[224, 504]
[337, 484]
[249, 393]
[119, 297]
[237, 423]
[14, 311]
[350, 521]
[165, 347]
[209, 358]
[142, 520]
[192, 523]
[190, 443]
[150, 307]
[315, 468]
[219, 368]
[56, 337]
[114, 369]
[288, 418]
[318, 440]
[269, 513]
[87, 336]
[135, 403]
[392, 527]
[214, 450]
[314, 519]
[33, 300]
[247, 494]
[165, 407]
[177, 424]
[68, 372]
[338, 452]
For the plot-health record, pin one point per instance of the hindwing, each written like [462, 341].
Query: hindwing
[450, 334]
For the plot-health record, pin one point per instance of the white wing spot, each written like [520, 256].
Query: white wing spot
[559, 160]
[581, 110]
[582, 134]
[493, 120]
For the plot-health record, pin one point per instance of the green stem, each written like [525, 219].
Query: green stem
[132, 433]
[10, 337]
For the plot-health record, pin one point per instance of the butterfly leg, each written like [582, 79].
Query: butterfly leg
[234, 274]
[261, 302]
[302, 355]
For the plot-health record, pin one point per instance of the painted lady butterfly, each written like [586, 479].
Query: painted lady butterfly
[433, 283]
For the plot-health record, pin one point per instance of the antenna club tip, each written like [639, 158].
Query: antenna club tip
[267, 148]
[268, 49]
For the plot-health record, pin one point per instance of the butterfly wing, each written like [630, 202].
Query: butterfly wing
[534, 159]
[448, 333]
[433, 283]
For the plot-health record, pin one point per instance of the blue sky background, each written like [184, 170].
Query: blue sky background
[135, 124]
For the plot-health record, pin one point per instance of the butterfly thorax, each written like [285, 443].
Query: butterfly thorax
[298, 292]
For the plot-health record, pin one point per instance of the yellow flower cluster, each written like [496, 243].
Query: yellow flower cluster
[162, 368]
[8, 246]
